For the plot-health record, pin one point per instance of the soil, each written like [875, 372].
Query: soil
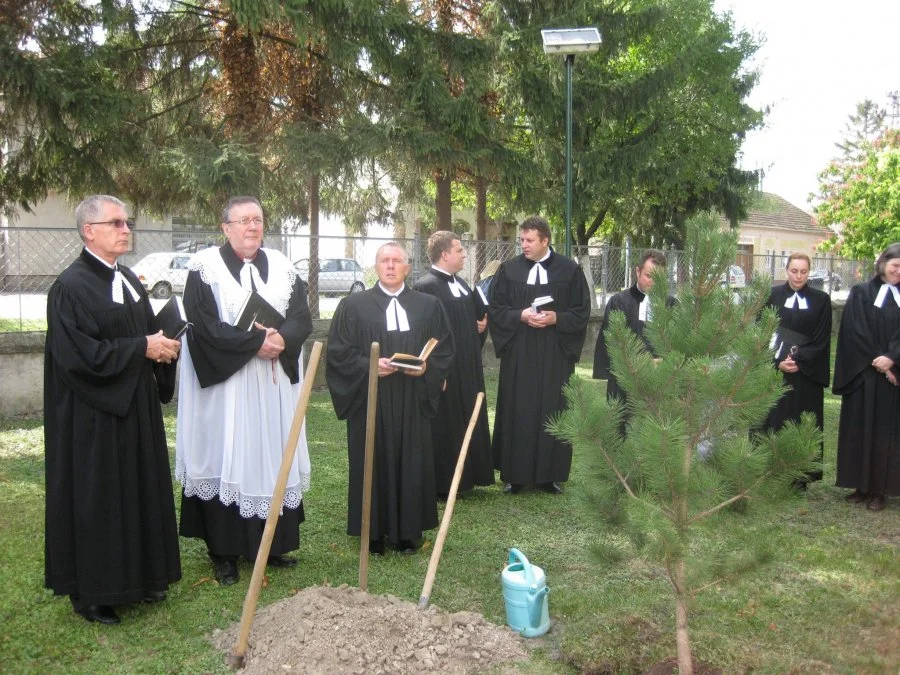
[345, 630]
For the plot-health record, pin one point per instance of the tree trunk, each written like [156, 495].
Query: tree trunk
[314, 246]
[442, 201]
[480, 224]
[682, 641]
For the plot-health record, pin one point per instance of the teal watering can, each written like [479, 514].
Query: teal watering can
[525, 594]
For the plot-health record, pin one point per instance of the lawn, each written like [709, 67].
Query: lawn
[829, 603]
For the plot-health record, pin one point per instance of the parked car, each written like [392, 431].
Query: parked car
[734, 277]
[820, 278]
[336, 275]
[163, 273]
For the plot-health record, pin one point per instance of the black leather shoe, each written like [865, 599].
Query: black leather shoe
[226, 571]
[376, 547]
[281, 561]
[512, 488]
[552, 488]
[99, 613]
[154, 596]
[408, 546]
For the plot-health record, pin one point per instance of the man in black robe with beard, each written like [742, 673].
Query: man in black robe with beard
[802, 350]
[400, 320]
[635, 303]
[466, 313]
[111, 537]
[538, 348]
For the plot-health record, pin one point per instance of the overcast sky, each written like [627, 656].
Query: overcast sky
[816, 65]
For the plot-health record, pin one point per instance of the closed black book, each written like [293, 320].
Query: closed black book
[171, 319]
[543, 303]
[256, 309]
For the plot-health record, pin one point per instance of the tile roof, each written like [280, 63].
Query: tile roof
[772, 211]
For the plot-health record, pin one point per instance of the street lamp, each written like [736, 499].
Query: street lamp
[568, 42]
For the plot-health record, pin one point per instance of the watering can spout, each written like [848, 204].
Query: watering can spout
[536, 606]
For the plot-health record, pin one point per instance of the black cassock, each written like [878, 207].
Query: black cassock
[810, 331]
[628, 301]
[535, 364]
[110, 521]
[218, 351]
[868, 456]
[464, 381]
[404, 503]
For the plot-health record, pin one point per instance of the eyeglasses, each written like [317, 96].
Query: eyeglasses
[118, 223]
[245, 221]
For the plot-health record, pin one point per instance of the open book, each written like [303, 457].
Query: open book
[257, 310]
[411, 362]
[171, 319]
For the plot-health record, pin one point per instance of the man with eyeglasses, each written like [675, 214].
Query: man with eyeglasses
[237, 396]
[111, 536]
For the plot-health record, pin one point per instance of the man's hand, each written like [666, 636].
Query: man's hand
[891, 377]
[882, 364]
[415, 373]
[273, 344]
[788, 366]
[385, 368]
[482, 325]
[542, 319]
[161, 349]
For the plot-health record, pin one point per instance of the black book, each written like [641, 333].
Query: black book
[543, 303]
[171, 319]
[481, 302]
[257, 310]
[786, 342]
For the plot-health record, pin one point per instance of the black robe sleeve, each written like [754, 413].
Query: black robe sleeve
[218, 349]
[346, 363]
[296, 328]
[814, 357]
[505, 320]
[856, 347]
[601, 353]
[104, 373]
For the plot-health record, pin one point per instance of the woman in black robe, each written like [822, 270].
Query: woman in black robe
[866, 374]
[802, 349]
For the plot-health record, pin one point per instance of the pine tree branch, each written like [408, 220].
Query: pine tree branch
[741, 495]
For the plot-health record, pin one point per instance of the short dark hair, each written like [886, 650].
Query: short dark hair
[439, 242]
[891, 252]
[538, 224]
[237, 201]
[658, 258]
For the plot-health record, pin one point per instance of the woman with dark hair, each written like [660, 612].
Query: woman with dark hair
[802, 349]
[867, 375]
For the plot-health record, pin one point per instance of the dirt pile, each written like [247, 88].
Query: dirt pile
[346, 630]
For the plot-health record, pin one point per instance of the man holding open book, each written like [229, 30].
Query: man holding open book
[403, 322]
[539, 312]
[240, 382]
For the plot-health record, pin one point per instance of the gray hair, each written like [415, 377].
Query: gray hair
[237, 201]
[89, 210]
[393, 244]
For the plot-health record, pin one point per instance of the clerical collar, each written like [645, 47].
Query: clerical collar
[638, 292]
[537, 275]
[235, 263]
[394, 315]
[113, 266]
[117, 279]
[443, 272]
[796, 299]
[883, 292]
[389, 293]
[457, 290]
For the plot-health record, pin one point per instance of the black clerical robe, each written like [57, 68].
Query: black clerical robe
[809, 330]
[629, 302]
[110, 513]
[404, 503]
[535, 364]
[464, 381]
[218, 351]
[868, 456]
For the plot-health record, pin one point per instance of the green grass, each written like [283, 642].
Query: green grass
[22, 325]
[830, 603]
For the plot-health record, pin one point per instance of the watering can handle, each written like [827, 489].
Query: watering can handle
[515, 555]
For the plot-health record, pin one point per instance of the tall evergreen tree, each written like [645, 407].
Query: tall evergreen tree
[689, 451]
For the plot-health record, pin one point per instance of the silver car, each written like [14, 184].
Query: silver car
[336, 275]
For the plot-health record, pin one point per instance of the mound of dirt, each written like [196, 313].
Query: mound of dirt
[346, 630]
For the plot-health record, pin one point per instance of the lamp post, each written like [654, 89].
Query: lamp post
[568, 42]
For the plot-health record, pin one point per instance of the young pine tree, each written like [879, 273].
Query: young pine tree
[691, 446]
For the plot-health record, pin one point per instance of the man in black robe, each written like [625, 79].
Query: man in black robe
[802, 350]
[468, 321]
[538, 349]
[867, 375]
[238, 393]
[111, 537]
[635, 303]
[401, 320]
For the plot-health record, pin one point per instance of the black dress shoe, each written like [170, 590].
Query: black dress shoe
[154, 596]
[281, 561]
[226, 570]
[376, 547]
[408, 546]
[552, 488]
[99, 613]
[512, 488]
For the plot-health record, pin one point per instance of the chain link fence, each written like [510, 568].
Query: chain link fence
[31, 258]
